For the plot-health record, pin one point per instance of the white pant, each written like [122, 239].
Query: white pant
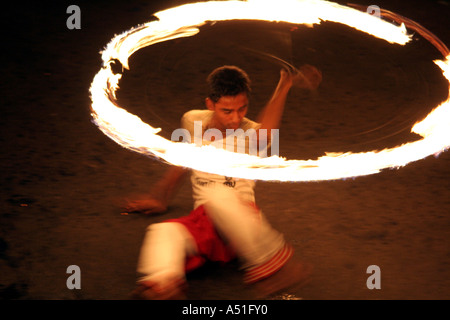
[167, 245]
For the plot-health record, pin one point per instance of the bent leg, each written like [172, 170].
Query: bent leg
[262, 249]
[163, 254]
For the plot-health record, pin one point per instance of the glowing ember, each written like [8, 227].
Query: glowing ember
[183, 21]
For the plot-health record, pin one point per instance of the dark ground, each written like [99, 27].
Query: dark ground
[61, 177]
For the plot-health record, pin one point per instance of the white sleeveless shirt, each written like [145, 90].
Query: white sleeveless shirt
[203, 181]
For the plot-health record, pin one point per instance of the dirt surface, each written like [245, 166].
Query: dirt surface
[61, 178]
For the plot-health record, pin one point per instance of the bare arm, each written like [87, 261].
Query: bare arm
[169, 184]
[307, 77]
[270, 116]
[161, 194]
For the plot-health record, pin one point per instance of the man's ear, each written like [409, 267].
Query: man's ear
[209, 104]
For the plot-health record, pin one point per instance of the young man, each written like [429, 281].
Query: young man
[225, 222]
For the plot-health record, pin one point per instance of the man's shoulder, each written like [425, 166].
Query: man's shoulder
[249, 124]
[196, 114]
[189, 118]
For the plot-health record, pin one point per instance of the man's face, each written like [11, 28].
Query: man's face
[228, 111]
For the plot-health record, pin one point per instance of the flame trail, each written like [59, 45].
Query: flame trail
[184, 21]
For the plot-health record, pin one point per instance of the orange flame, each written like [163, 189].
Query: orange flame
[131, 132]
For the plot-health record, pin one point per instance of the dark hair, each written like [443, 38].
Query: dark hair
[227, 81]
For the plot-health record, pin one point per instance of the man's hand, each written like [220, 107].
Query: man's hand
[307, 77]
[145, 206]
[158, 199]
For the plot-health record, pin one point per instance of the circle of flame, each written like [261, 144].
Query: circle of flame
[132, 133]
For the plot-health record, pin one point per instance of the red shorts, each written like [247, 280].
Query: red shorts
[209, 244]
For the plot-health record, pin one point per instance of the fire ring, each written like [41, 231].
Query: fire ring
[132, 133]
